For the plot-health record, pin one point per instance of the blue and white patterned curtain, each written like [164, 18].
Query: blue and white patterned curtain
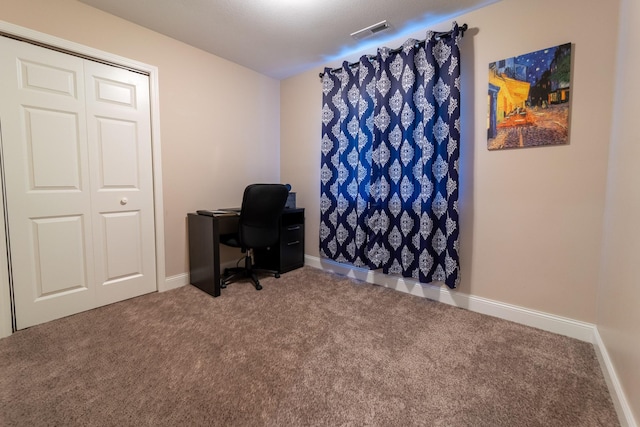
[389, 172]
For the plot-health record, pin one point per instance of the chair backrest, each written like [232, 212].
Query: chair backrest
[262, 206]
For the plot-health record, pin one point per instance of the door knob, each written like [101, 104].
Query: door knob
[124, 201]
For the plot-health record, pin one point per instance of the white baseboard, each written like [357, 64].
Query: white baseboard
[613, 383]
[175, 282]
[537, 319]
[182, 279]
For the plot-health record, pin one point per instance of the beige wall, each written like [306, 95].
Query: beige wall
[619, 298]
[220, 122]
[531, 218]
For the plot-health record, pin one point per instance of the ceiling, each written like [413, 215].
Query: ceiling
[280, 38]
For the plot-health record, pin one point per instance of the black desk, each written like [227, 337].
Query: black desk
[204, 247]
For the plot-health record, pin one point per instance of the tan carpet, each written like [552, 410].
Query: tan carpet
[310, 349]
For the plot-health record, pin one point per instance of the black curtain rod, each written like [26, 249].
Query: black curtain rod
[462, 29]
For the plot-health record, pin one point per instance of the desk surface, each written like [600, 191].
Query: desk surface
[219, 212]
[235, 211]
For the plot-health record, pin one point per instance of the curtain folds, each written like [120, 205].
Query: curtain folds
[389, 166]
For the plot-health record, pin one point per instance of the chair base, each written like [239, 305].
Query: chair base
[235, 274]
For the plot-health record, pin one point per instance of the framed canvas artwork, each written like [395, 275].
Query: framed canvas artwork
[529, 99]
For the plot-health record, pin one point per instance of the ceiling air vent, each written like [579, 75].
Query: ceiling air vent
[370, 30]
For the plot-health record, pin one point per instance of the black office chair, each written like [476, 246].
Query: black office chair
[262, 206]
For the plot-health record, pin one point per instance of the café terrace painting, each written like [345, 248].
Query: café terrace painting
[529, 99]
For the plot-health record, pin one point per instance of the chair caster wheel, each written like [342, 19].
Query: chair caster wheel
[277, 275]
[258, 287]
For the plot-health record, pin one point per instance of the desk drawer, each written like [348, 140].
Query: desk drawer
[291, 233]
[289, 253]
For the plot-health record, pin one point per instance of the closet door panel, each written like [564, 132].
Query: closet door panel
[119, 141]
[59, 247]
[122, 257]
[52, 135]
[47, 190]
[117, 154]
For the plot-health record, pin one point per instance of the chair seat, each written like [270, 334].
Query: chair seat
[232, 240]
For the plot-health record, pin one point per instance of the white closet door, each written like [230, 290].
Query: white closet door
[119, 141]
[64, 155]
[48, 195]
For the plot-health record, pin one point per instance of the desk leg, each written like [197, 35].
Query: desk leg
[216, 257]
[204, 253]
